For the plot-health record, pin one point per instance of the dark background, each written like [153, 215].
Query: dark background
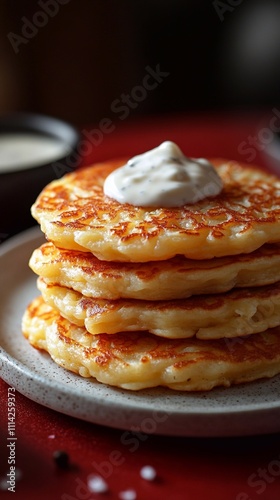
[220, 56]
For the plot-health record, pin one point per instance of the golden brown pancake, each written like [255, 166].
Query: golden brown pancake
[239, 312]
[163, 280]
[75, 214]
[140, 360]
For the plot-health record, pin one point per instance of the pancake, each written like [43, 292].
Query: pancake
[163, 280]
[141, 360]
[239, 312]
[75, 214]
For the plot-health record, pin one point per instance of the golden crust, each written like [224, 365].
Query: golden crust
[75, 214]
[239, 312]
[140, 360]
[163, 280]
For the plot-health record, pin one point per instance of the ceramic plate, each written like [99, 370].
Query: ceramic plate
[241, 410]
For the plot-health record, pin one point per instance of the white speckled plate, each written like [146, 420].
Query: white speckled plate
[241, 410]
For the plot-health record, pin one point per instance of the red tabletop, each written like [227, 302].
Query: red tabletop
[239, 468]
[245, 137]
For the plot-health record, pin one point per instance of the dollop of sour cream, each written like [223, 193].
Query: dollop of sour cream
[163, 177]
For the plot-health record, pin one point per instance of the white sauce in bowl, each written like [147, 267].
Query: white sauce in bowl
[26, 150]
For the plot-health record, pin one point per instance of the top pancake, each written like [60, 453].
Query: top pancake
[75, 214]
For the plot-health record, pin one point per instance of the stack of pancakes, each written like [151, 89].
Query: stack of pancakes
[187, 298]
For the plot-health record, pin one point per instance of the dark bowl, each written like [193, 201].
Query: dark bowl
[271, 154]
[21, 183]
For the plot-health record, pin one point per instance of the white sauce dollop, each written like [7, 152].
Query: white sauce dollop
[163, 177]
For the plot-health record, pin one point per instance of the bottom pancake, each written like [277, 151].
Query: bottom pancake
[139, 360]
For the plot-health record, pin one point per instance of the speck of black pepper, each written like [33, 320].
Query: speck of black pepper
[132, 163]
[176, 160]
[61, 459]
